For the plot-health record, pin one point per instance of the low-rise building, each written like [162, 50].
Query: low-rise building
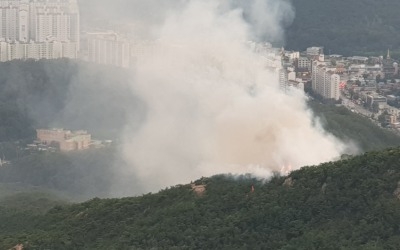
[378, 100]
[65, 140]
[303, 63]
[358, 59]
[315, 51]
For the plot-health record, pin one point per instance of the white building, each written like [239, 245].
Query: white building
[283, 80]
[49, 27]
[45, 50]
[325, 82]
[108, 48]
[304, 63]
[57, 19]
[292, 76]
[315, 51]
[292, 55]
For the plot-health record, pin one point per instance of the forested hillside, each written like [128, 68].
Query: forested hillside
[64, 93]
[68, 94]
[350, 204]
[346, 27]
[354, 128]
[77, 175]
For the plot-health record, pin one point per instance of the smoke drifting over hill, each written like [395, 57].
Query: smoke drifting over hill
[266, 17]
[212, 106]
[199, 102]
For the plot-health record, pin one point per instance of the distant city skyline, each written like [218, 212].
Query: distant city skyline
[39, 29]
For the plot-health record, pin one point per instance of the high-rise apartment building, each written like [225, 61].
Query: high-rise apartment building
[283, 80]
[324, 81]
[108, 48]
[39, 29]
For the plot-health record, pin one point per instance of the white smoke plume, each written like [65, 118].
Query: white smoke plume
[212, 105]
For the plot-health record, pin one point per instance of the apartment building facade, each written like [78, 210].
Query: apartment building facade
[324, 81]
[39, 29]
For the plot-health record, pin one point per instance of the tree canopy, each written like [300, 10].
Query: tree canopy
[364, 27]
[354, 128]
[349, 204]
[65, 93]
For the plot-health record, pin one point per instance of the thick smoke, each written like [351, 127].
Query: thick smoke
[212, 105]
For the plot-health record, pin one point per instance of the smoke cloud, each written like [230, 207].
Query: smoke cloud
[200, 100]
[212, 104]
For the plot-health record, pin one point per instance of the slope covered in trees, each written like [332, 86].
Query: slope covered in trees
[350, 204]
[345, 27]
[65, 93]
[77, 175]
[69, 94]
[354, 128]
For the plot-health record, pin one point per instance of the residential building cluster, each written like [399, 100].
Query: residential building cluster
[287, 72]
[49, 29]
[39, 29]
[298, 68]
[366, 85]
[116, 49]
[373, 83]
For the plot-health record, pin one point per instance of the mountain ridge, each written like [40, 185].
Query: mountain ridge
[349, 204]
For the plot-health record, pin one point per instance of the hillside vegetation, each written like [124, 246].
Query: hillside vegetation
[346, 27]
[350, 204]
[68, 94]
[76, 175]
[354, 128]
[64, 93]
